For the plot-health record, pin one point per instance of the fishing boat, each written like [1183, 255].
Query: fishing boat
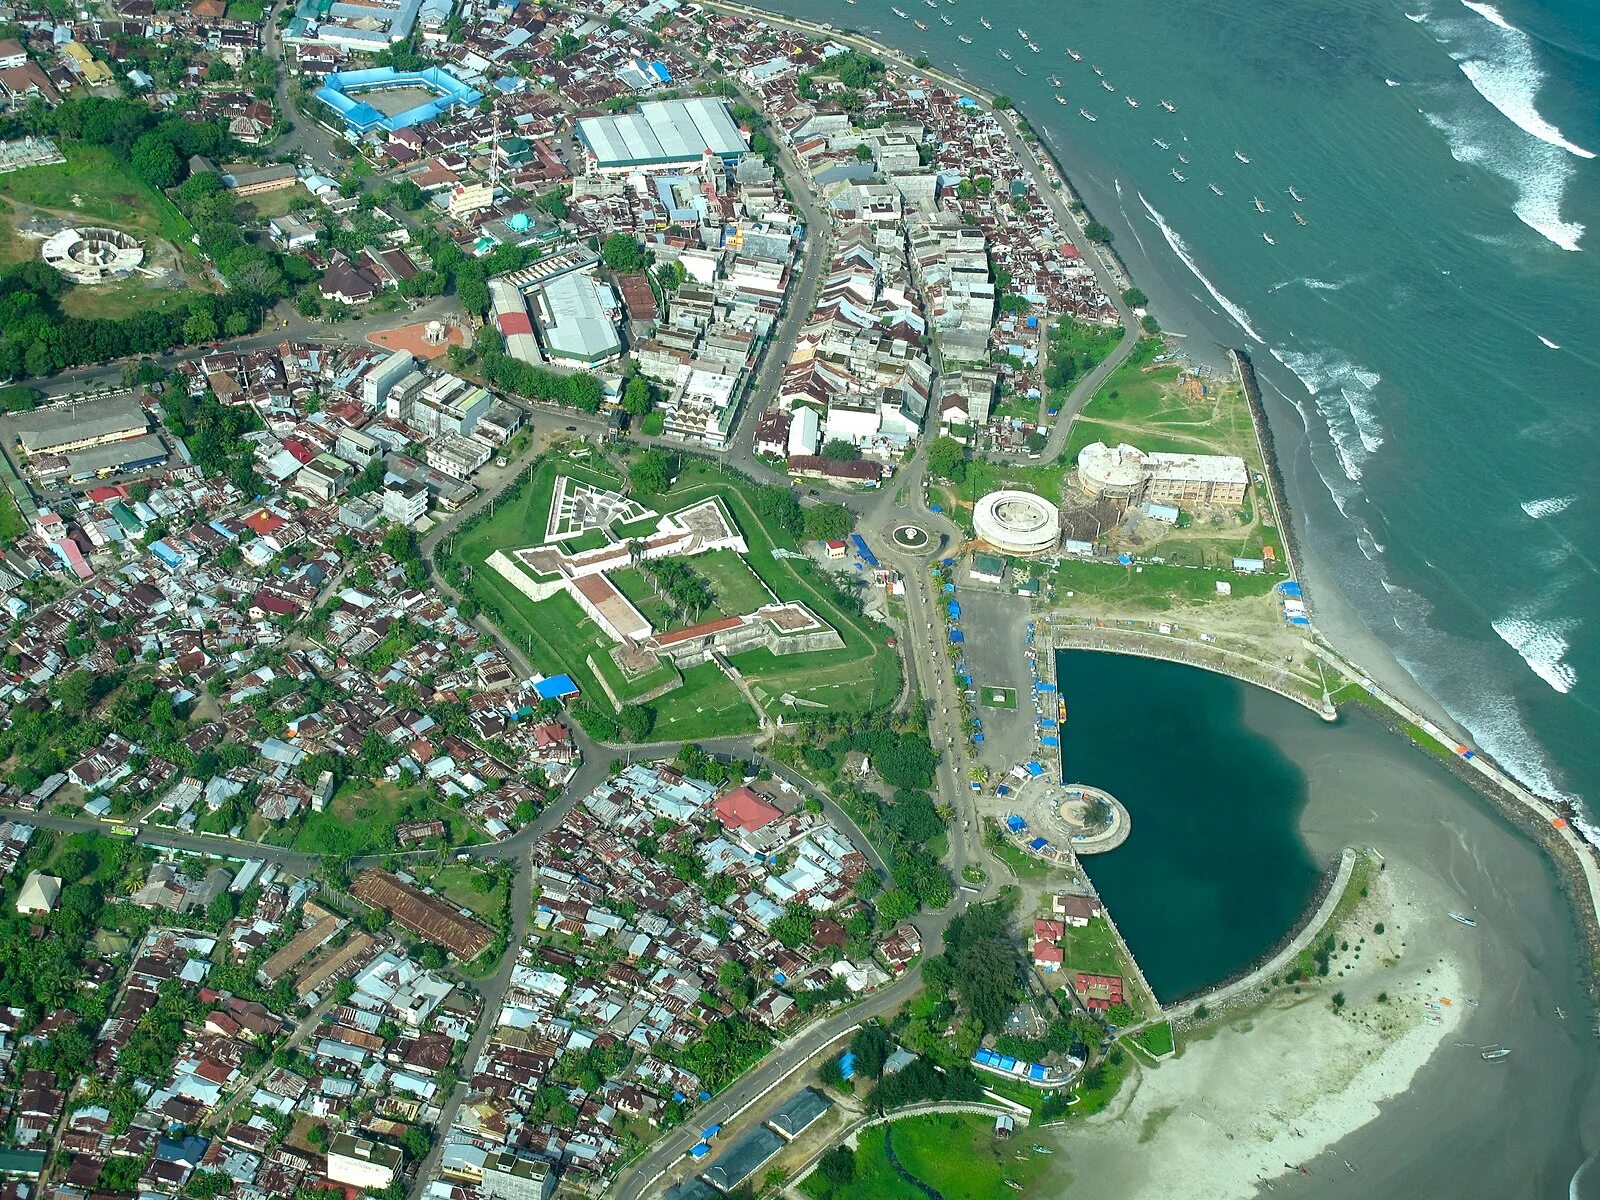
[963, 39]
[1022, 33]
[1087, 115]
[1060, 99]
[1470, 922]
[1260, 207]
[1299, 218]
[1169, 106]
[1108, 85]
[946, 19]
[1216, 189]
[1159, 142]
[1018, 69]
[1097, 70]
[984, 21]
[1055, 81]
[1132, 103]
[1183, 158]
[1296, 196]
[1244, 158]
[1496, 1053]
[900, 12]
[1074, 55]
[1177, 176]
[1268, 238]
[1034, 46]
[1005, 54]
[920, 26]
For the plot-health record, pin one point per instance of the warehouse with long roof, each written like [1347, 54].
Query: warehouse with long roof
[662, 134]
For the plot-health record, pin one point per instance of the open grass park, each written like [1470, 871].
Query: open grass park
[953, 1155]
[361, 819]
[93, 188]
[558, 637]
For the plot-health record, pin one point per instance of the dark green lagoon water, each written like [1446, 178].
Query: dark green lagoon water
[1216, 871]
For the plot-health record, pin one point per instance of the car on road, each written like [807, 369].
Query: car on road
[572, 429]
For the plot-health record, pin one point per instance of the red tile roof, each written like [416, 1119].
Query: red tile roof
[743, 809]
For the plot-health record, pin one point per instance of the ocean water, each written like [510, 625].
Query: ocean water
[1215, 870]
[1426, 340]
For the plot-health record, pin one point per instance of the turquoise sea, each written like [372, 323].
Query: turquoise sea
[1427, 338]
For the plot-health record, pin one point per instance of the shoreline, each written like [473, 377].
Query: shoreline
[1514, 800]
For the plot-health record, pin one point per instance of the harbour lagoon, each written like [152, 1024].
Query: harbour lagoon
[1216, 871]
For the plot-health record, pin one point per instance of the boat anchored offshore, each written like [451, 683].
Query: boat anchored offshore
[1299, 218]
[1034, 46]
[1260, 207]
[920, 26]
[946, 19]
[1022, 33]
[1159, 142]
[963, 39]
[1470, 922]
[1055, 81]
[1183, 158]
[1242, 157]
[1108, 85]
[1074, 55]
[1169, 106]
[1060, 99]
[1018, 69]
[1496, 1053]
[1296, 196]
[984, 21]
[900, 12]
[1268, 238]
[1177, 176]
[1005, 54]
[1216, 189]
[1132, 103]
[1087, 115]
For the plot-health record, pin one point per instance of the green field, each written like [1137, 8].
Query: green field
[12, 525]
[1145, 406]
[1092, 948]
[453, 881]
[955, 1155]
[1156, 1040]
[1152, 585]
[557, 637]
[735, 586]
[361, 820]
[997, 697]
[93, 184]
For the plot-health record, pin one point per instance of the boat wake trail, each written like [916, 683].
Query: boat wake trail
[1548, 507]
[1342, 392]
[1181, 249]
[1542, 643]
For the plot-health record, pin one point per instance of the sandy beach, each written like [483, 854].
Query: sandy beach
[1280, 1080]
[1410, 1104]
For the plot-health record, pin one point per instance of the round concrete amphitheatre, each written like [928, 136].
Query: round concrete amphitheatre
[1017, 522]
[91, 254]
[911, 537]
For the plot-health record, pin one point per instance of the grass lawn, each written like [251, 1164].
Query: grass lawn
[1092, 948]
[119, 298]
[274, 203]
[1153, 585]
[735, 586]
[12, 525]
[93, 184]
[997, 697]
[1156, 1040]
[453, 881]
[707, 704]
[633, 584]
[956, 1155]
[1025, 866]
[246, 10]
[362, 818]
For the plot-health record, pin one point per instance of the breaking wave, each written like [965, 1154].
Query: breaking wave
[1342, 392]
[1542, 643]
[1539, 174]
[1548, 507]
[1181, 249]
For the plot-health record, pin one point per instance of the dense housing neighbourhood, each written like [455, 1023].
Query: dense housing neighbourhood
[317, 873]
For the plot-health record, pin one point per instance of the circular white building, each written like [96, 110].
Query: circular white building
[1115, 471]
[91, 255]
[1017, 522]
